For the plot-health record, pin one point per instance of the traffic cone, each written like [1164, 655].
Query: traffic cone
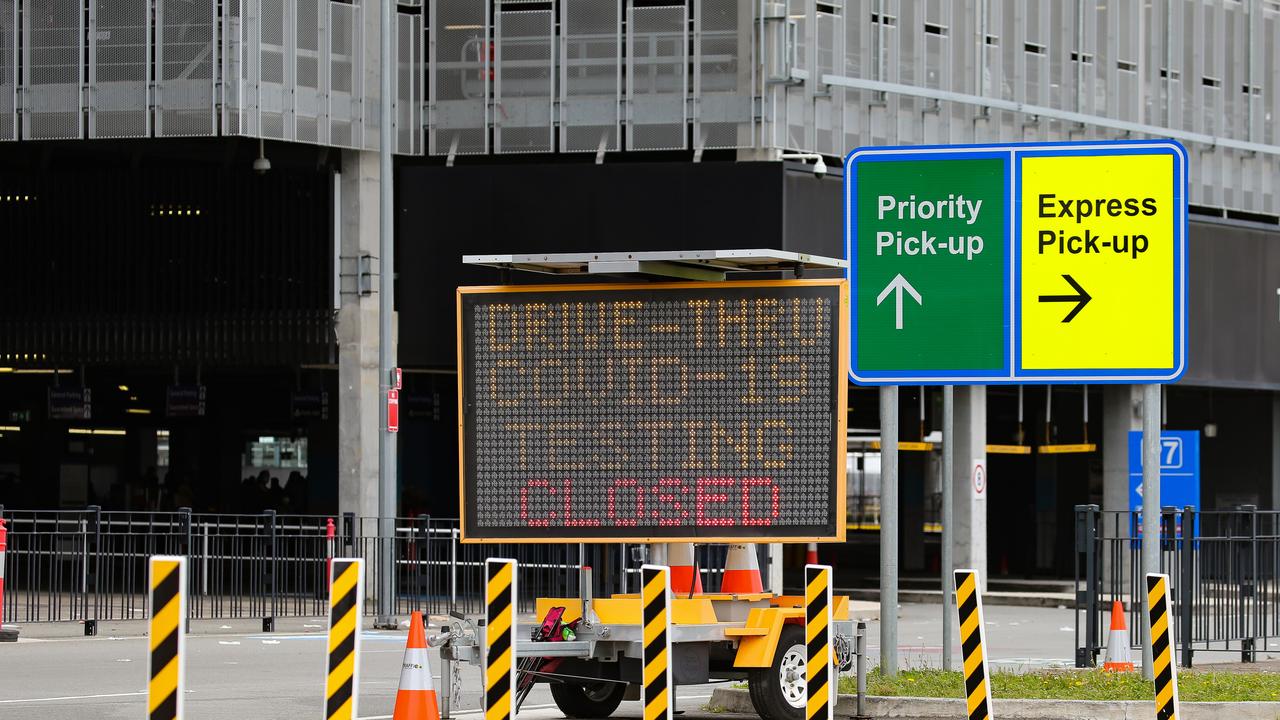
[1118, 642]
[741, 571]
[811, 554]
[416, 698]
[685, 578]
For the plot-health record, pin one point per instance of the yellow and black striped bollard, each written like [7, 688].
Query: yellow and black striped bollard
[167, 637]
[656, 649]
[973, 639]
[817, 637]
[500, 639]
[346, 603]
[1166, 676]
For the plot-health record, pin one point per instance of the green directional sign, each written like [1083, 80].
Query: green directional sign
[930, 263]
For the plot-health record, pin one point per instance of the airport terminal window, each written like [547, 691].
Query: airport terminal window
[270, 452]
[162, 448]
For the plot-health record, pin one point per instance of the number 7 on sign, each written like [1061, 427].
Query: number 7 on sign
[1172, 448]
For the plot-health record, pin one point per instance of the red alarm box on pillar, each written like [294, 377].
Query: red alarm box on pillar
[393, 411]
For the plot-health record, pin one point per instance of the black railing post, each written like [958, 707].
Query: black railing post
[184, 527]
[184, 522]
[1168, 533]
[421, 550]
[93, 536]
[1249, 587]
[349, 531]
[1087, 599]
[1187, 591]
[269, 622]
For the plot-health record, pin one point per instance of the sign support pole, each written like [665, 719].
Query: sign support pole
[1150, 505]
[889, 530]
[388, 489]
[948, 514]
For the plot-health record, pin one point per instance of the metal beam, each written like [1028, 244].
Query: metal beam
[1042, 111]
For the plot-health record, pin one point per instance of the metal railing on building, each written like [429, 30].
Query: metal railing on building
[90, 565]
[1224, 569]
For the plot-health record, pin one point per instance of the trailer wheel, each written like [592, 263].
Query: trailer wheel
[594, 700]
[778, 691]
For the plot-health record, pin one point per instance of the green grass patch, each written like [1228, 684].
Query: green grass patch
[1193, 685]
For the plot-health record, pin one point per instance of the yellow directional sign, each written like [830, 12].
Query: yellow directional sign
[1098, 239]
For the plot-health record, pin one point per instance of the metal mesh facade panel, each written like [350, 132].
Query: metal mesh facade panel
[233, 81]
[240, 67]
[591, 74]
[309, 71]
[408, 83]
[724, 76]
[275, 71]
[524, 80]
[186, 55]
[828, 107]
[657, 80]
[119, 61]
[52, 58]
[371, 30]
[344, 74]
[794, 102]
[8, 70]
[857, 63]
[460, 77]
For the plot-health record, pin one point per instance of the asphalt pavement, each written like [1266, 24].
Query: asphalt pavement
[234, 673]
[230, 676]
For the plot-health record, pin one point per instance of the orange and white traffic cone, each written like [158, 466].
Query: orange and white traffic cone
[685, 579]
[741, 571]
[811, 554]
[416, 698]
[1118, 658]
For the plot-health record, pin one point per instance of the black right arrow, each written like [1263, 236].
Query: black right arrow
[1081, 298]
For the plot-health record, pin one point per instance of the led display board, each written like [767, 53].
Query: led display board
[675, 411]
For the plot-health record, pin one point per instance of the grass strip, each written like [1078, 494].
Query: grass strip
[1193, 685]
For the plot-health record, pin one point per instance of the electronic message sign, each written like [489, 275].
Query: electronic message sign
[666, 412]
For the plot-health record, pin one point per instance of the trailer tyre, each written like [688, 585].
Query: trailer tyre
[778, 691]
[593, 700]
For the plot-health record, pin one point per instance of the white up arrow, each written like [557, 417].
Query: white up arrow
[896, 286]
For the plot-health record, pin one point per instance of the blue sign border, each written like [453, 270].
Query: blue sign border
[1013, 373]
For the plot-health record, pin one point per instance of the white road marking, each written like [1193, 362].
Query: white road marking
[71, 697]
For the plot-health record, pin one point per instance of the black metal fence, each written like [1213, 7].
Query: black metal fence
[91, 565]
[1224, 572]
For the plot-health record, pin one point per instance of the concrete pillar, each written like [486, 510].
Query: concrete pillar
[1275, 450]
[1121, 412]
[970, 498]
[359, 408]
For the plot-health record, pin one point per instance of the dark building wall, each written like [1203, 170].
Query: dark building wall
[446, 213]
[154, 260]
[1234, 274]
